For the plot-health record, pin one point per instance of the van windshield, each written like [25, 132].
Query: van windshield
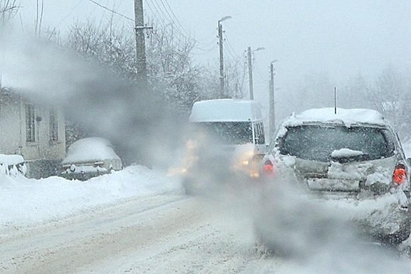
[235, 133]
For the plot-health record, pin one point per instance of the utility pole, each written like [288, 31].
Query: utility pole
[335, 100]
[250, 71]
[3, 26]
[2, 50]
[220, 43]
[271, 113]
[140, 41]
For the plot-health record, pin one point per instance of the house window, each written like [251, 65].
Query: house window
[30, 124]
[54, 126]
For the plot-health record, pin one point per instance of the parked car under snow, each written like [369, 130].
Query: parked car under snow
[351, 161]
[12, 165]
[90, 157]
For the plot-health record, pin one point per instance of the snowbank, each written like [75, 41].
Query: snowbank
[27, 202]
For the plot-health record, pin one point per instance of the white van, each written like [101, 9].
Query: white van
[235, 121]
[226, 139]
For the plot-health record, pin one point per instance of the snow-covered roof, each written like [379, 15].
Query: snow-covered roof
[90, 149]
[346, 116]
[225, 110]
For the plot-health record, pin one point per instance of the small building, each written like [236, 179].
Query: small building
[36, 132]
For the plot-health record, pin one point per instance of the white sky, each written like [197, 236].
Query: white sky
[336, 38]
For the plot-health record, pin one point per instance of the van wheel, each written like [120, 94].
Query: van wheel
[188, 187]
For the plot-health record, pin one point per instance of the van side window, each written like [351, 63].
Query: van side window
[259, 134]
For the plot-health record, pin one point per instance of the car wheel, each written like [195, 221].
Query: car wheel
[188, 186]
[268, 244]
[397, 238]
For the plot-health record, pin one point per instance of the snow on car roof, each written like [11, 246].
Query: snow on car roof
[347, 116]
[90, 149]
[11, 159]
[225, 110]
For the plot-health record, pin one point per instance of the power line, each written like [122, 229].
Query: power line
[231, 49]
[208, 37]
[166, 13]
[163, 12]
[113, 11]
[171, 10]
[156, 9]
[204, 51]
[152, 11]
[71, 11]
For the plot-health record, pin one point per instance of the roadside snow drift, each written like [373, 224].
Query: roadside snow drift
[27, 202]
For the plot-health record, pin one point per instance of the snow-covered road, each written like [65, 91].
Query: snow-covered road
[168, 233]
[139, 221]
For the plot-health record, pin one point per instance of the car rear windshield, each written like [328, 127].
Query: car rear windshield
[313, 142]
[228, 132]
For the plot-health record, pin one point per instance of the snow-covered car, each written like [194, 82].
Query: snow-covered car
[12, 165]
[90, 157]
[349, 159]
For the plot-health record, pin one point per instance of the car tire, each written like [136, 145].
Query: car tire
[188, 187]
[397, 238]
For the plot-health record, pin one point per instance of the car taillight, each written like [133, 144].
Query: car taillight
[400, 174]
[268, 168]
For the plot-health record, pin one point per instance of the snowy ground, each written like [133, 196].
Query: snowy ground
[27, 202]
[139, 221]
[136, 220]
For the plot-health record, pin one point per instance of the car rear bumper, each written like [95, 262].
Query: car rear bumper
[382, 217]
[82, 176]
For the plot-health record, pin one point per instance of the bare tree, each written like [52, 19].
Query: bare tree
[355, 94]
[114, 48]
[390, 96]
[8, 8]
[171, 71]
[235, 75]
[39, 17]
[173, 77]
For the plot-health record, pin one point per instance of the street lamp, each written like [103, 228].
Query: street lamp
[271, 112]
[220, 36]
[250, 71]
[224, 18]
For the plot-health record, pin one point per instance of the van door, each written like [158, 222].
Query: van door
[259, 137]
